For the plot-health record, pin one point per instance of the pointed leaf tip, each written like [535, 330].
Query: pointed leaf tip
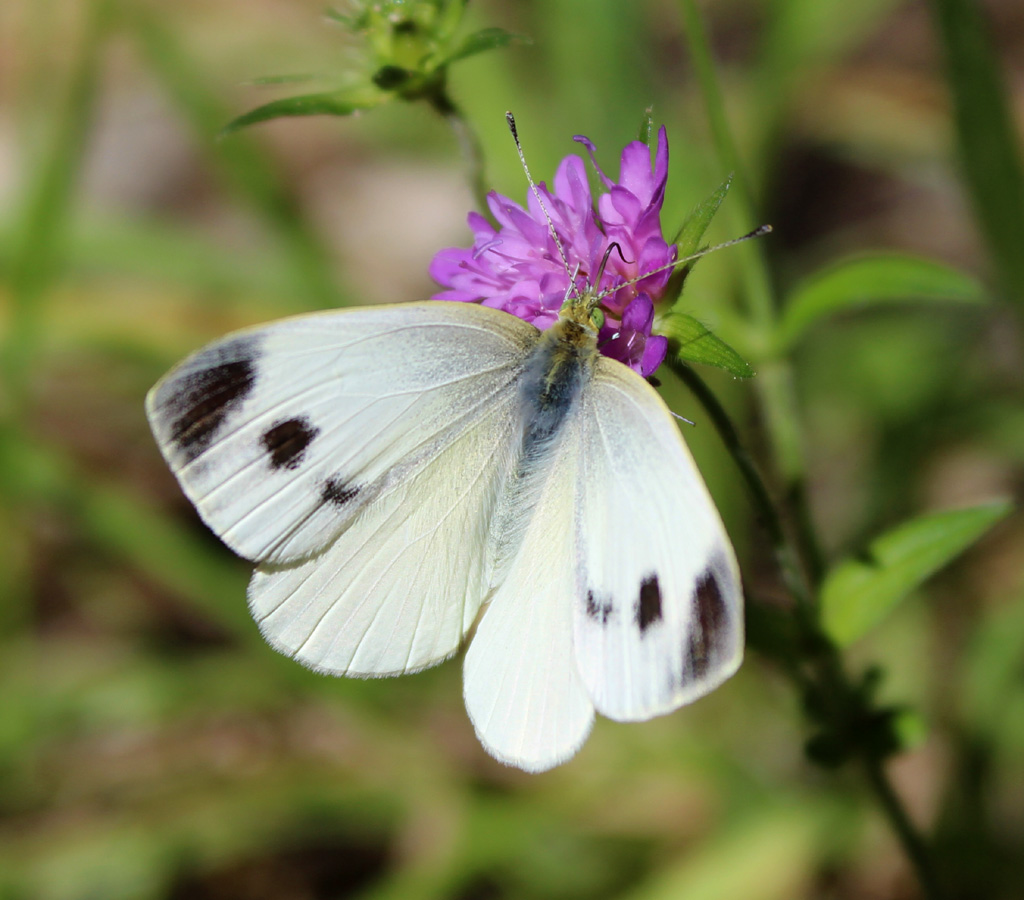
[330, 103]
[696, 223]
[860, 592]
[694, 342]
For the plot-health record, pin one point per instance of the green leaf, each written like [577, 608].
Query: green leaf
[990, 150]
[692, 341]
[329, 103]
[484, 40]
[696, 223]
[859, 593]
[872, 280]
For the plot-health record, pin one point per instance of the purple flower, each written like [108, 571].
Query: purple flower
[518, 268]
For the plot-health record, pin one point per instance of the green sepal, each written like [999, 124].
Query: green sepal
[858, 593]
[646, 129]
[688, 238]
[691, 341]
[692, 230]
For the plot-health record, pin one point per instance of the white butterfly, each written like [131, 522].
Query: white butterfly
[393, 469]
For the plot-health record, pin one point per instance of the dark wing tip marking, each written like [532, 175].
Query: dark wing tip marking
[648, 604]
[337, 492]
[709, 626]
[286, 442]
[201, 399]
[599, 609]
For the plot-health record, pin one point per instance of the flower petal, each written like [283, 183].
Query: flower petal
[521, 267]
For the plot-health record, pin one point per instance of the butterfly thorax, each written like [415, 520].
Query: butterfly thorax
[556, 371]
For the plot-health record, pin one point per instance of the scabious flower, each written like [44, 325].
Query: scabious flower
[518, 268]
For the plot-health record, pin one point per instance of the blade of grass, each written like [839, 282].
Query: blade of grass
[38, 236]
[774, 382]
[240, 159]
[989, 152]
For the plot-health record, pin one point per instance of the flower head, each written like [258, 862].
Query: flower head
[519, 268]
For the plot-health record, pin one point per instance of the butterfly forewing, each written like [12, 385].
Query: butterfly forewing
[658, 608]
[398, 589]
[280, 435]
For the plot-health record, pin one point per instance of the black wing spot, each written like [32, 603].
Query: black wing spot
[648, 604]
[337, 493]
[599, 609]
[286, 442]
[710, 619]
[203, 399]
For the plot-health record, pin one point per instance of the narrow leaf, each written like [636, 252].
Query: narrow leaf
[859, 593]
[873, 280]
[990, 150]
[696, 223]
[330, 103]
[693, 341]
[484, 40]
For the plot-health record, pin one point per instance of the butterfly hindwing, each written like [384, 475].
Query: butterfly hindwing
[281, 435]
[522, 689]
[658, 609]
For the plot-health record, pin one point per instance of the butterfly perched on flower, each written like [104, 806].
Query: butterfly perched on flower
[394, 470]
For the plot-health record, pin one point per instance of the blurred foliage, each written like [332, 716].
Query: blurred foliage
[151, 746]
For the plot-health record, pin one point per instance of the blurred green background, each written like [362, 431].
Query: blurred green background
[152, 746]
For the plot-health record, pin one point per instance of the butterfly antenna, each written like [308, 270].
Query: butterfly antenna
[536, 193]
[757, 232]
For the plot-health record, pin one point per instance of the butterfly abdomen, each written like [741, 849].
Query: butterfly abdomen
[553, 378]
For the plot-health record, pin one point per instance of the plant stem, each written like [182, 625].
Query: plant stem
[846, 705]
[767, 510]
[775, 378]
[469, 143]
[908, 836]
